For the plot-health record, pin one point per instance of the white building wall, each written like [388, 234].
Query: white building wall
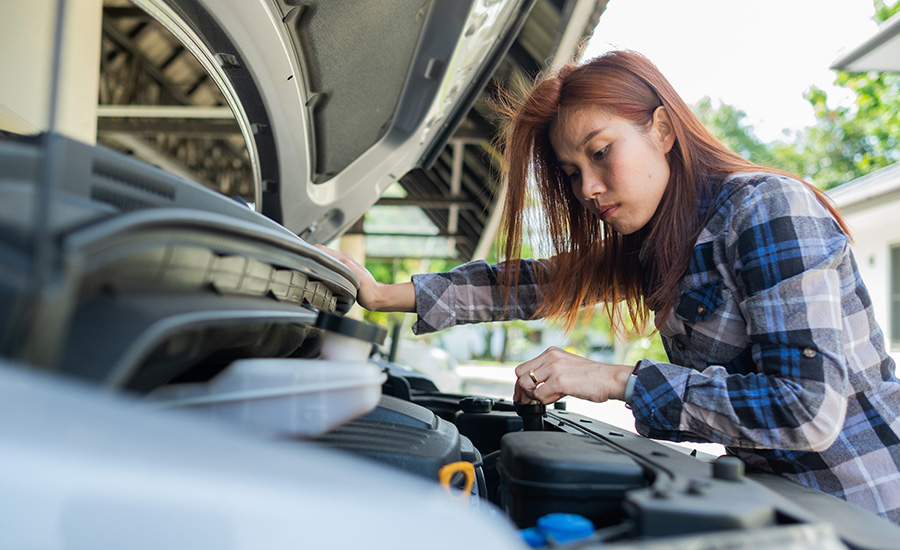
[27, 42]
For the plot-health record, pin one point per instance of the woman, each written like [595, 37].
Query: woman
[772, 343]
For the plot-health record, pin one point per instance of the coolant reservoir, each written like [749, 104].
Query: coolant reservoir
[292, 397]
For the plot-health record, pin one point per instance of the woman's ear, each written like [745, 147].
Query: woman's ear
[665, 133]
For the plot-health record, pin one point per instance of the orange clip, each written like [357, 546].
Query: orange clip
[445, 477]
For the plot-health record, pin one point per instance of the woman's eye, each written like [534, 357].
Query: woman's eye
[572, 175]
[601, 153]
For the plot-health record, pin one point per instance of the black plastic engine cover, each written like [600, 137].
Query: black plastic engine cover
[556, 472]
[486, 429]
[408, 437]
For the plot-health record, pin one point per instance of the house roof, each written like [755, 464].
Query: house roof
[870, 190]
[881, 52]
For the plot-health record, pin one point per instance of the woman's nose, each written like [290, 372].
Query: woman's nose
[591, 187]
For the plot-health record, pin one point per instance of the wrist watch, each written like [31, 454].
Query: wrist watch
[629, 384]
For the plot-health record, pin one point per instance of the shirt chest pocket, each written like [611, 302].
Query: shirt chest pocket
[696, 305]
[714, 329]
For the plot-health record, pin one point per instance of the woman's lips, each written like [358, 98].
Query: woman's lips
[607, 210]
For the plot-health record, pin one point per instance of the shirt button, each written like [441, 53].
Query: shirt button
[701, 310]
[809, 353]
[679, 344]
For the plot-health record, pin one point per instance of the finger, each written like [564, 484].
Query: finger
[327, 250]
[524, 368]
[523, 396]
[528, 380]
[521, 393]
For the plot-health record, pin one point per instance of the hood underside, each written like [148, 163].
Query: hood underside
[339, 100]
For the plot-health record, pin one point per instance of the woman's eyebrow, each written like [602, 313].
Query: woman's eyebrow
[591, 135]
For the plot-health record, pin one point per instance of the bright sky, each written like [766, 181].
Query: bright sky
[759, 56]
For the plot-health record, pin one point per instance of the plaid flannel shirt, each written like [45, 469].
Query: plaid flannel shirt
[773, 348]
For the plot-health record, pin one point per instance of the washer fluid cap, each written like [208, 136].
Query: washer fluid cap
[351, 327]
[564, 528]
[533, 537]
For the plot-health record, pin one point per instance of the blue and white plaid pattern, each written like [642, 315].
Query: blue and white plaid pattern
[773, 347]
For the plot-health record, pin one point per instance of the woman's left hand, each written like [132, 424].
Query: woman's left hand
[559, 373]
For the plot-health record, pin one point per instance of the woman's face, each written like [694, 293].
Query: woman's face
[617, 170]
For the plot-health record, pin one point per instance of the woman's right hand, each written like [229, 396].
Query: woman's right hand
[557, 373]
[373, 295]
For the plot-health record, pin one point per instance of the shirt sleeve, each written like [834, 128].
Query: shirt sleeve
[473, 293]
[789, 260]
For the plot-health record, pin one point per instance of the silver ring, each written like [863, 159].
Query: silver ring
[533, 378]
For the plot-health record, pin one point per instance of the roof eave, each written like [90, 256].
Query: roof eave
[881, 52]
[879, 187]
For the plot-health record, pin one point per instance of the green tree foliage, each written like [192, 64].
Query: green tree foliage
[883, 11]
[850, 141]
[729, 124]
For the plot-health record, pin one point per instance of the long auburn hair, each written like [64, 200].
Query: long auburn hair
[592, 262]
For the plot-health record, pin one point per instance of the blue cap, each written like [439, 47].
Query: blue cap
[565, 527]
[533, 537]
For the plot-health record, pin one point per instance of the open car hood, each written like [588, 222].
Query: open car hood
[337, 103]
